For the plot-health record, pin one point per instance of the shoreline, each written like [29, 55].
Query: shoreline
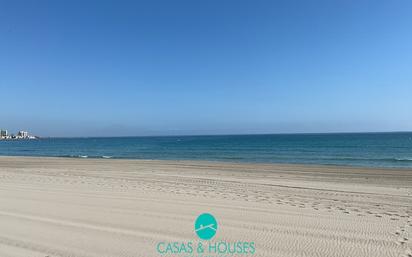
[247, 163]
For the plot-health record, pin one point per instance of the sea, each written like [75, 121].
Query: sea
[350, 149]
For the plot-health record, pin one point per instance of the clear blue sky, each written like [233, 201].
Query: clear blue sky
[82, 68]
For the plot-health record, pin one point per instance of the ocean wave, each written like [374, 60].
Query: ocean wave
[69, 156]
[86, 156]
[394, 159]
[404, 159]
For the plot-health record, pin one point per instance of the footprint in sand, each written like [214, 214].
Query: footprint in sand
[408, 252]
[400, 242]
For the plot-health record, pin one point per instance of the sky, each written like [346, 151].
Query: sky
[136, 68]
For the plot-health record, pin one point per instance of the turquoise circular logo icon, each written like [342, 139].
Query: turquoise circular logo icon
[206, 226]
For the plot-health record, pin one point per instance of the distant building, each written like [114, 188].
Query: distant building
[3, 133]
[22, 134]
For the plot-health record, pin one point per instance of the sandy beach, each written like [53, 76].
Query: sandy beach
[62, 207]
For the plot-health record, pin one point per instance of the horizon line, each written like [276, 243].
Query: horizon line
[236, 134]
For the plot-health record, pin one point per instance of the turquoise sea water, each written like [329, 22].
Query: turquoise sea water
[354, 149]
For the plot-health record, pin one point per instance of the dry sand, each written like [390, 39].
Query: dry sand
[100, 208]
